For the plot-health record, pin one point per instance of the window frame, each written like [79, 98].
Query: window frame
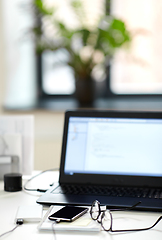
[42, 95]
[108, 94]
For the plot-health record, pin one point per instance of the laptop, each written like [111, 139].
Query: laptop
[112, 156]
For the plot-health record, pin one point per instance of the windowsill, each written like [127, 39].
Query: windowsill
[152, 103]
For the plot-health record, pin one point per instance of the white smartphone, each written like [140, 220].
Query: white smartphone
[68, 213]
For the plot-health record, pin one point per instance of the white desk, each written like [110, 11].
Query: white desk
[9, 203]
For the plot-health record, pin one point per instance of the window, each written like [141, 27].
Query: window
[56, 80]
[134, 71]
[138, 71]
[60, 80]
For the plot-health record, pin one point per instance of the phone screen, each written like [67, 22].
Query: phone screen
[68, 213]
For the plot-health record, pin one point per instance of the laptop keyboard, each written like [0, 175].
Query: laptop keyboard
[110, 191]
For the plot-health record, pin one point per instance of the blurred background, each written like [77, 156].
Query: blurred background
[29, 84]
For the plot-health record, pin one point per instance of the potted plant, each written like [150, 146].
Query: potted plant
[88, 47]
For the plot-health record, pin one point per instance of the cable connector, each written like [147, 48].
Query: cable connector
[41, 190]
[19, 221]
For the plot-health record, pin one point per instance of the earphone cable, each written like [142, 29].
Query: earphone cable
[37, 189]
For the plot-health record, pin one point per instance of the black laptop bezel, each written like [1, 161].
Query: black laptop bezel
[111, 180]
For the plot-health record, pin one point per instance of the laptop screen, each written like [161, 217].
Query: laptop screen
[117, 146]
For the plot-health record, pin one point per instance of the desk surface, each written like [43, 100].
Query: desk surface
[9, 203]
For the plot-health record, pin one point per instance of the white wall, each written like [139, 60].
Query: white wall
[48, 125]
[48, 139]
[19, 53]
[2, 65]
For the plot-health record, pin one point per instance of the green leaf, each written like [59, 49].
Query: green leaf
[85, 35]
[41, 8]
[76, 4]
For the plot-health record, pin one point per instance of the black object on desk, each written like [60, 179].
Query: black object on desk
[13, 182]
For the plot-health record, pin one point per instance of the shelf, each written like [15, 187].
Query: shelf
[152, 103]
